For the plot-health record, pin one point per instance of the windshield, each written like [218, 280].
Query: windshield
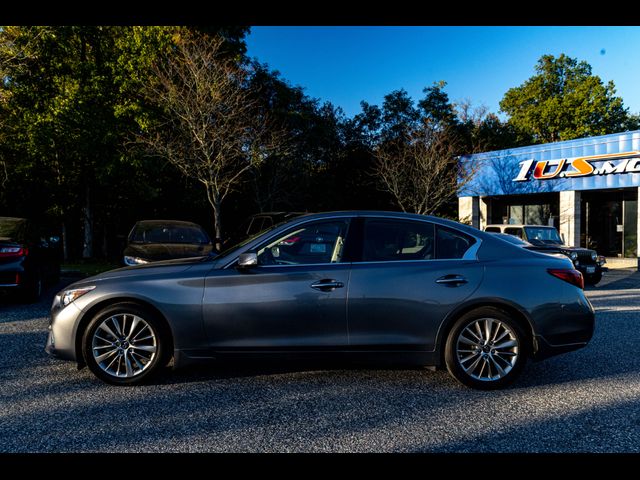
[543, 236]
[167, 233]
[12, 227]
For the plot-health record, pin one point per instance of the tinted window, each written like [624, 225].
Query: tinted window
[492, 229]
[167, 233]
[391, 240]
[13, 228]
[451, 244]
[514, 231]
[320, 242]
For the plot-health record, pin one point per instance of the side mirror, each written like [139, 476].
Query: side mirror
[247, 260]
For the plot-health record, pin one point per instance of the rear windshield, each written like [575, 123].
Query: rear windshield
[167, 233]
[12, 228]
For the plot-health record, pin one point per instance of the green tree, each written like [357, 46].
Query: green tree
[564, 100]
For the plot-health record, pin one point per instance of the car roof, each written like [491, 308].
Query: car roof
[165, 222]
[394, 214]
[518, 225]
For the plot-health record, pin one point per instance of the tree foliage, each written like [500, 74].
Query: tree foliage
[72, 99]
[564, 100]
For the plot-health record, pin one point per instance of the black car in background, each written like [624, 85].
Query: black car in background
[257, 223]
[29, 258]
[546, 239]
[155, 240]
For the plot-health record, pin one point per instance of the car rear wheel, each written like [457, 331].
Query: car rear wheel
[125, 345]
[485, 349]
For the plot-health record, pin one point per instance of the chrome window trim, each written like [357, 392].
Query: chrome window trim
[470, 254]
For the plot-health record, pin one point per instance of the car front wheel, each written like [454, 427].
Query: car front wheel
[485, 349]
[124, 345]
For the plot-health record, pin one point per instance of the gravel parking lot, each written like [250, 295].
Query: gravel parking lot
[584, 401]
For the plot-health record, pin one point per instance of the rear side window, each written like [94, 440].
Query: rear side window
[391, 240]
[451, 244]
[514, 231]
[492, 229]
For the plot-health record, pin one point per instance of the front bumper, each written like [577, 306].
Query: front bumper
[63, 325]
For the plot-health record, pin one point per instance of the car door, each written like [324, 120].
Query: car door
[410, 275]
[295, 298]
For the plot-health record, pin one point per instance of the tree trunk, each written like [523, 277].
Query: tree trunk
[216, 203]
[65, 244]
[87, 249]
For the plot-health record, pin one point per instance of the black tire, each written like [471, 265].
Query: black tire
[474, 376]
[32, 290]
[593, 279]
[161, 342]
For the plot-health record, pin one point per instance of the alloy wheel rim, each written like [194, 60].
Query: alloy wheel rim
[487, 349]
[124, 345]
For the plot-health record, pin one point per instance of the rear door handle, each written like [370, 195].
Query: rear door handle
[327, 285]
[452, 280]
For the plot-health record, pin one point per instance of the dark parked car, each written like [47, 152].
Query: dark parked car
[416, 288]
[546, 239]
[155, 240]
[29, 258]
[257, 223]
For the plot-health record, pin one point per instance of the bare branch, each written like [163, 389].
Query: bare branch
[421, 171]
[212, 128]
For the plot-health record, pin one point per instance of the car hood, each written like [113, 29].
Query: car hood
[154, 252]
[166, 267]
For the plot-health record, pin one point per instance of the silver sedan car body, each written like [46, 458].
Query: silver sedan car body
[419, 288]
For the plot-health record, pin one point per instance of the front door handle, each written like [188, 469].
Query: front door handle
[327, 285]
[453, 280]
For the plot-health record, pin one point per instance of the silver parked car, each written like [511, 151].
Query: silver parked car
[418, 288]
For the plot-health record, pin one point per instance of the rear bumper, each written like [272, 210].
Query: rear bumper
[577, 337]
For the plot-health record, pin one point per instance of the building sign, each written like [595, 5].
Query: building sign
[604, 162]
[615, 163]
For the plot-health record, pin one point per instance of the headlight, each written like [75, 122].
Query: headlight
[594, 256]
[601, 260]
[573, 256]
[69, 296]
[134, 260]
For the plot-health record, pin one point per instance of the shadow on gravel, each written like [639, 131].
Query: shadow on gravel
[618, 279]
[591, 430]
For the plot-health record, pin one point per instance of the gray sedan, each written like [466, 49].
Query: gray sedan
[414, 288]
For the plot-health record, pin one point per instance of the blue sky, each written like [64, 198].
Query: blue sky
[345, 65]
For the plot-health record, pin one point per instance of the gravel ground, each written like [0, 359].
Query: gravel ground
[583, 401]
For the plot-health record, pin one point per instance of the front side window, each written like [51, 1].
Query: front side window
[320, 242]
[392, 240]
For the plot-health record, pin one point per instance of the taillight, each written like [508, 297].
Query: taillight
[13, 251]
[574, 277]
